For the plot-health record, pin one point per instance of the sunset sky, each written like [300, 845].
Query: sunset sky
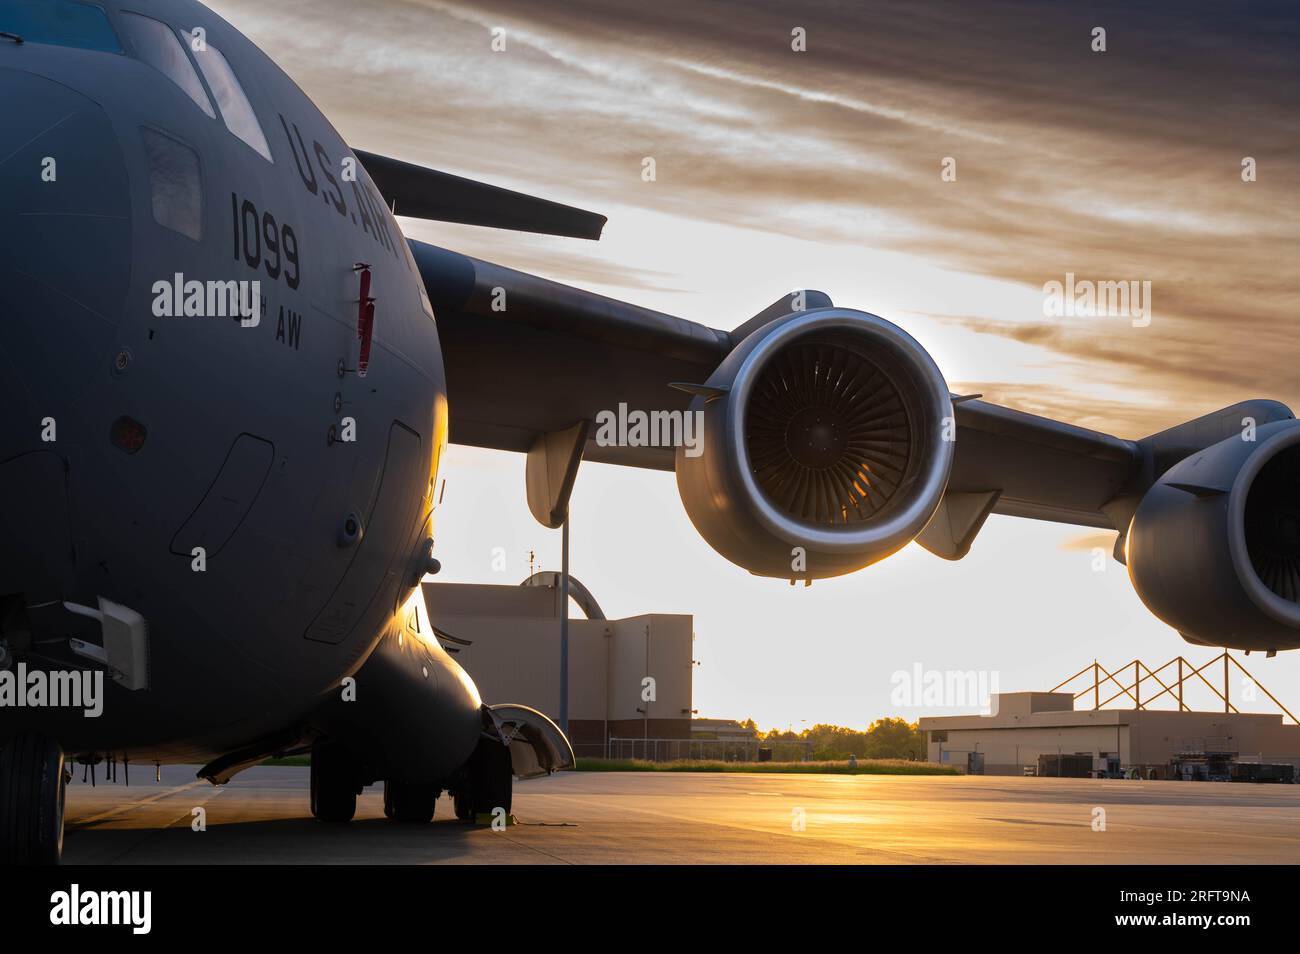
[821, 169]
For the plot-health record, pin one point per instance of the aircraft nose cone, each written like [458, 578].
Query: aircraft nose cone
[65, 245]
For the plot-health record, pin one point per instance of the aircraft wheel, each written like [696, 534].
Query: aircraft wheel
[491, 780]
[463, 805]
[334, 787]
[409, 802]
[32, 791]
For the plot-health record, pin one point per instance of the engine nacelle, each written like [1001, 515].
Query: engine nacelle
[1214, 548]
[827, 441]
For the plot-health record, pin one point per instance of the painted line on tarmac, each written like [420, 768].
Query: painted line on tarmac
[138, 803]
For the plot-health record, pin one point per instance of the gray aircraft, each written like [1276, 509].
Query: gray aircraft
[229, 379]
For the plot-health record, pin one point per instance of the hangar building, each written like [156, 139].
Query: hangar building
[1026, 725]
[508, 639]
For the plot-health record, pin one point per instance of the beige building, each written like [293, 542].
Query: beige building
[1026, 725]
[628, 678]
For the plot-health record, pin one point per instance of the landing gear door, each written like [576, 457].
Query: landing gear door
[537, 746]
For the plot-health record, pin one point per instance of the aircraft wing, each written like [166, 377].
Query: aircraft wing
[1040, 468]
[550, 355]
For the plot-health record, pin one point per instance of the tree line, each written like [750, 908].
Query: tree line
[884, 739]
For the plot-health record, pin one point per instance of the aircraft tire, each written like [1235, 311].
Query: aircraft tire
[32, 793]
[463, 805]
[333, 783]
[491, 778]
[408, 802]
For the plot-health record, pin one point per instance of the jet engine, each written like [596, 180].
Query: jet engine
[1214, 547]
[826, 440]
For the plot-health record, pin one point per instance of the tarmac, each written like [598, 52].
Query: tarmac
[262, 817]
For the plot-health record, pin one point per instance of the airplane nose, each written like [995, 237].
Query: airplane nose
[65, 249]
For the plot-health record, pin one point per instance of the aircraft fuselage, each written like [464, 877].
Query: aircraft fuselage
[236, 482]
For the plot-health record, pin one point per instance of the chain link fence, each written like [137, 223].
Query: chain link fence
[721, 750]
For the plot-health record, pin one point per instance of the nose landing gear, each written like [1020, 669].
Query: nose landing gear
[32, 788]
[488, 782]
[335, 782]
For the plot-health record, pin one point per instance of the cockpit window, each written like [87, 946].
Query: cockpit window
[156, 44]
[59, 23]
[235, 107]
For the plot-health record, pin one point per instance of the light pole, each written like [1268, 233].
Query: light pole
[564, 623]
